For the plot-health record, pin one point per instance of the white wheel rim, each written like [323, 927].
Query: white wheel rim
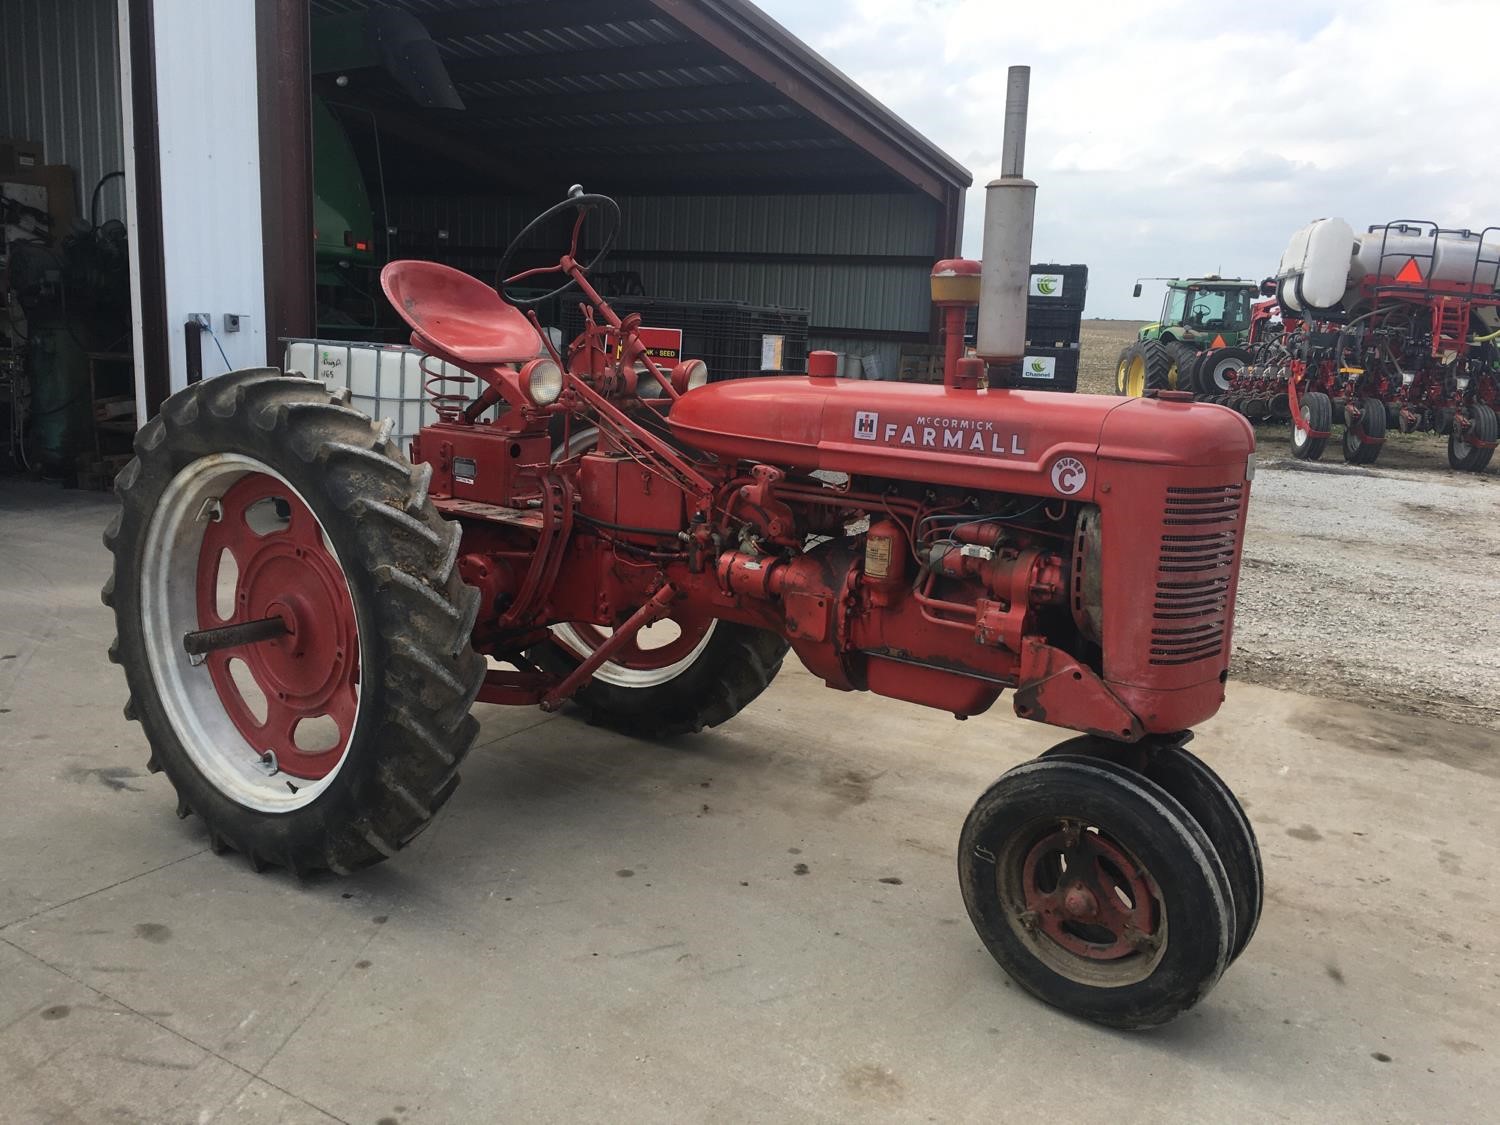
[621, 676]
[168, 603]
[582, 440]
[1221, 370]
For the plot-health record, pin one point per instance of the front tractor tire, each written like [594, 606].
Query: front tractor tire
[1208, 800]
[259, 497]
[1096, 891]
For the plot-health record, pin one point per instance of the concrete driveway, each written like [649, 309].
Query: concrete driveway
[762, 923]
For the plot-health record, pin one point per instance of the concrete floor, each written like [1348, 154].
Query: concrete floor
[599, 929]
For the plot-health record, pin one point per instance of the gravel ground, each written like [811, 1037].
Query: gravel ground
[1378, 585]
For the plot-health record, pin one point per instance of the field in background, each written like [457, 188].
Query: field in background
[1099, 348]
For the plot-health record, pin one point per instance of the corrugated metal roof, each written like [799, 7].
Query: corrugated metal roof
[729, 187]
[632, 33]
[567, 75]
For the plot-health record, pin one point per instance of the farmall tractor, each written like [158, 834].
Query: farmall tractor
[305, 613]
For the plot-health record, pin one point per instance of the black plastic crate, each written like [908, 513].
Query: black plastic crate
[1040, 369]
[729, 336]
[1051, 321]
[1067, 291]
[1050, 326]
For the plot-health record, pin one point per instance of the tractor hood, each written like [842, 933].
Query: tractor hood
[995, 440]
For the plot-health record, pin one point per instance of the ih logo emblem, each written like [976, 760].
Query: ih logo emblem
[866, 424]
[1046, 285]
[1038, 367]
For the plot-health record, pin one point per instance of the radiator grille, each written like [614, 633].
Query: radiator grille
[1191, 611]
[1214, 506]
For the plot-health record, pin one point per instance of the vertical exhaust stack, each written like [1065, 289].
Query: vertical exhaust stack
[1009, 209]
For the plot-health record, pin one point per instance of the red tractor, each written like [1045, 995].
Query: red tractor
[305, 615]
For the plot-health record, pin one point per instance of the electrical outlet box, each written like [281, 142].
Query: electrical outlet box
[232, 322]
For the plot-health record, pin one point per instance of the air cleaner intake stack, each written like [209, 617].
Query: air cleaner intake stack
[1009, 209]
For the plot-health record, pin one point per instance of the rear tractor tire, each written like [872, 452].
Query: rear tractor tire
[1096, 891]
[1365, 436]
[1183, 364]
[676, 676]
[704, 673]
[1465, 453]
[1317, 414]
[254, 497]
[1143, 367]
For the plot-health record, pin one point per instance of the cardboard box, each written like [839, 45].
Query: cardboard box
[62, 193]
[19, 155]
[920, 363]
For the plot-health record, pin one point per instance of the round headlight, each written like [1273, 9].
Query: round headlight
[542, 380]
[647, 385]
[688, 374]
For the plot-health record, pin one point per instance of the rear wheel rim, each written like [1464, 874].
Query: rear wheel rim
[656, 655]
[273, 733]
[1135, 377]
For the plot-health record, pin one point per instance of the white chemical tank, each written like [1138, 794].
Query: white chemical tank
[1315, 270]
[1325, 262]
[1451, 256]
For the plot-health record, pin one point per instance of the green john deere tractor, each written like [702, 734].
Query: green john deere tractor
[1196, 345]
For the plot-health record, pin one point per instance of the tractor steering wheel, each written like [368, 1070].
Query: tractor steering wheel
[584, 203]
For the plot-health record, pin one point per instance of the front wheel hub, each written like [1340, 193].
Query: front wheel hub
[1088, 895]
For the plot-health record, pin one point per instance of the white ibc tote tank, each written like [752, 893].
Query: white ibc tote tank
[1316, 270]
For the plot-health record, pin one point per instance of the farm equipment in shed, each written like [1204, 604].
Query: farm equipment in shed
[282, 569]
[1196, 345]
[1396, 327]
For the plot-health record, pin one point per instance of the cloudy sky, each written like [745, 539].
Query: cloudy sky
[1191, 136]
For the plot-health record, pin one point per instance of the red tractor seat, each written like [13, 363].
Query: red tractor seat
[459, 315]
